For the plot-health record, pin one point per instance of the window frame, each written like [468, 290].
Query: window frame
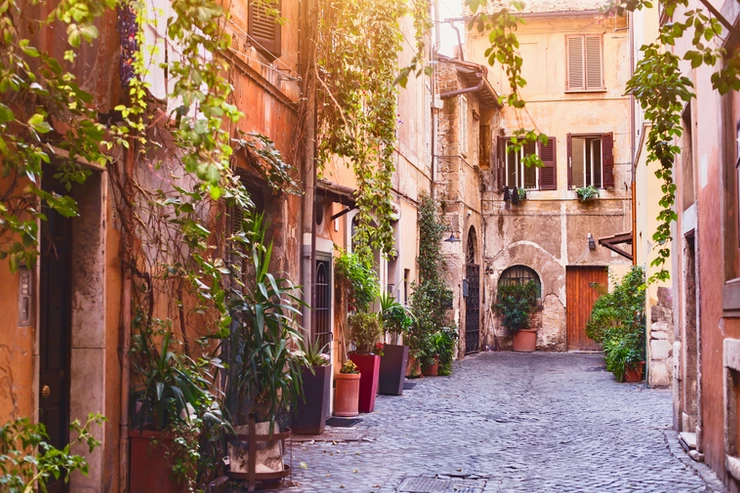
[512, 268]
[270, 48]
[584, 57]
[585, 137]
[463, 132]
[519, 167]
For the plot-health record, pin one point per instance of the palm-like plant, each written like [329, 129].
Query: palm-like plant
[262, 350]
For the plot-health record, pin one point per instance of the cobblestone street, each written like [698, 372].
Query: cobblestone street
[509, 422]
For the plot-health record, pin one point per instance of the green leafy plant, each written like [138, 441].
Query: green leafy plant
[617, 322]
[515, 303]
[397, 319]
[365, 331]
[316, 354]
[264, 363]
[522, 192]
[349, 367]
[28, 461]
[358, 278]
[444, 342]
[587, 193]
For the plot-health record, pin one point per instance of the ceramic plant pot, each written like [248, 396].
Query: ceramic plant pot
[393, 369]
[149, 468]
[633, 373]
[525, 340]
[413, 368]
[346, 394]
[313, 406]
[432, 369]
[369, 366]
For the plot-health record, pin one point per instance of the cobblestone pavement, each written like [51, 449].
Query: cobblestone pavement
[510, 422]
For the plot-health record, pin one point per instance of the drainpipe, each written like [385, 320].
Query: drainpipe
[459, 41]
[125, 338]
[633, 185]
[467, 90]
[433, 91]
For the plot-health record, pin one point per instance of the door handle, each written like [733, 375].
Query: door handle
[45, 392]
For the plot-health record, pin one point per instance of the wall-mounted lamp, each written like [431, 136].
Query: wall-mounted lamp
[452, 238]
[591, 242]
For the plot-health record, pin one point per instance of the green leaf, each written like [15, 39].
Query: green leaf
[6, 114]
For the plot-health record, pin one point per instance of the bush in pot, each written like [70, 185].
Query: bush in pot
[515, 303]
[262, 380]
[397, 323]
[365, 330]
[312, 407]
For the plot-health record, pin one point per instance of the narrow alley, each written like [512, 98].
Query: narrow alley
[508, 423]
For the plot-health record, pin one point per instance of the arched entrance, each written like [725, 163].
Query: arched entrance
[472, 298]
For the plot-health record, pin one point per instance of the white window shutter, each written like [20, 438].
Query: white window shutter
[594, 65]
[575, 63]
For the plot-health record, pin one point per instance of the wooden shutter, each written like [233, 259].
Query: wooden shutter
[607, 153]
[264, 28]
[594, 65]
[569, 162]
[501, 162]
[576, 79]
[549, 172]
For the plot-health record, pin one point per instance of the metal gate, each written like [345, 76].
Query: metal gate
[472, 309]
[322, 303]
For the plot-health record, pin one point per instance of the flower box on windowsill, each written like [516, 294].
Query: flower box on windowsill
[589, 193]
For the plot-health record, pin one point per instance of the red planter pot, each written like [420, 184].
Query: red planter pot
[346, 394]
[149, 468]
[525, 340]
[633, 374]
[431, 370]
[369, 366]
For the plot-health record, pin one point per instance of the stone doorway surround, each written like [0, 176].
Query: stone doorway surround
[731, 360]
[88, 326]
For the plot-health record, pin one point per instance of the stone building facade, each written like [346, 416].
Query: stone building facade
[576, 64]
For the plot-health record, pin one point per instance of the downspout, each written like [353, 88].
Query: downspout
[633, 185]
[459, 41]
[467, 90]
[125, 338]
[433, 90]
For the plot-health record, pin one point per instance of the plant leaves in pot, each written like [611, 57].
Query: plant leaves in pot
[515, 303]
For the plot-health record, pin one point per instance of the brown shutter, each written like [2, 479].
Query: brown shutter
[575, 63]
[594, 66]
[264, 28]
[569, 161]
[501, 162]
[548, 172]
[607, 143]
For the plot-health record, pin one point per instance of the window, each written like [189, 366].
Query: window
[462, 127]
[520, 274]
[515, 174]
[585, 71]
[591, 161]
[264, 28]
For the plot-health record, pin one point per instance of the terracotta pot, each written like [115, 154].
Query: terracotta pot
[525, 340]
[393, 369]
[313, 406]
[149, 468]
[633, 374]
[413, 367]
[346, 394]
[432, 369]
[369, 366]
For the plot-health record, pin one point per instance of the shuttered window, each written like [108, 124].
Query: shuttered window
[462, 129]
[591, 161]
[513, 173]
[264, 28]
[585, 67]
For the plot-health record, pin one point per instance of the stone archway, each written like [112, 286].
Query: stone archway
[472, 293]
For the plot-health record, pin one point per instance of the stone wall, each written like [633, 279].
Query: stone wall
[660, 353]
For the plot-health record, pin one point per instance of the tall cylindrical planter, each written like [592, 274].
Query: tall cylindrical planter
[150, 468]
[346, 394]
[393, 369]
[525, 340]
[313, 406]
[369, 366]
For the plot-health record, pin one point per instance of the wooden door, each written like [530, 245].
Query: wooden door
[54, 332]
[581, 293]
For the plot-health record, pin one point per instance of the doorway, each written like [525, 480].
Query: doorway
[55, 331]
[472, 297]
[581, 291]
[689, 341]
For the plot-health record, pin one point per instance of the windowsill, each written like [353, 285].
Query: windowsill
[586, 91]
[731, 298]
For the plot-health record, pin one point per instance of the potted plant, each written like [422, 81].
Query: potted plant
[365, 333]
[313, 406]
[170, 397]
[624, 358]
[397, 321]
[515, 304]
[264, 362]
[587, 193]
[444, 342]
[347, 391]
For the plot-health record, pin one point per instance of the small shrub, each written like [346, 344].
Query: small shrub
[587, 193]
[358, 279]
[365, 331]
[515, 304]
